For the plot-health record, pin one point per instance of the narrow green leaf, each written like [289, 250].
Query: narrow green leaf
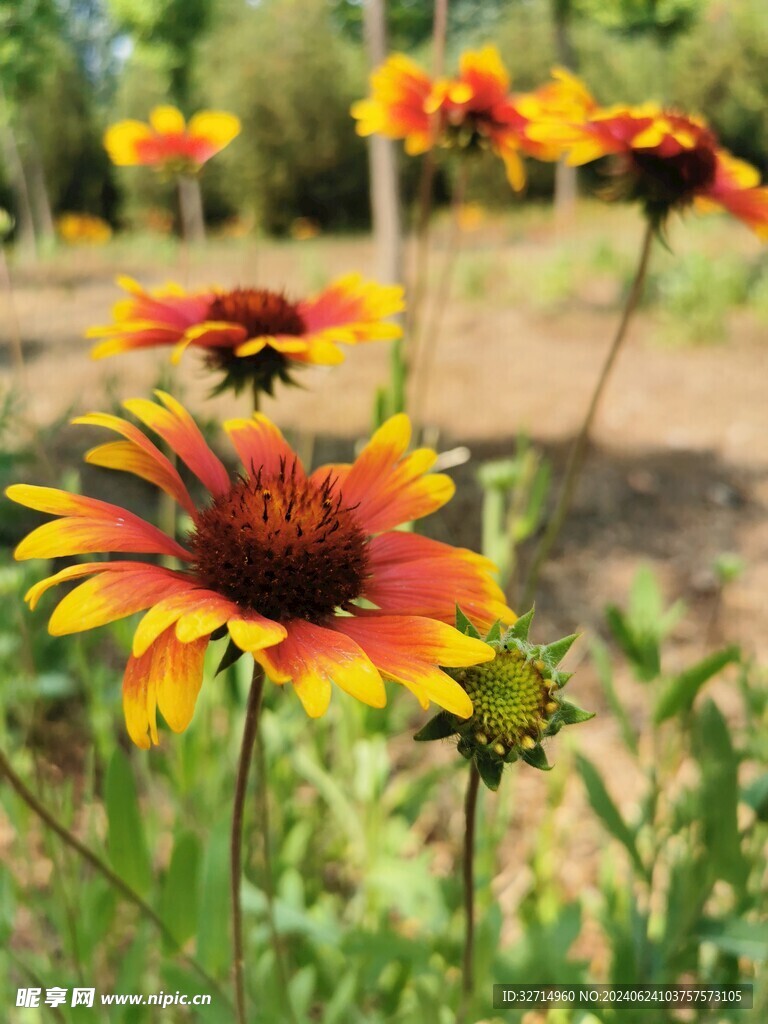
[737, 937]
[604, 807]
[756, 796]
[465, 626]
[179, 895]
[602, 661]
[680, 692]
[490, 771]
[719, 794]
[126, 841]
[437, 728]
[641, 649]
[214, 948]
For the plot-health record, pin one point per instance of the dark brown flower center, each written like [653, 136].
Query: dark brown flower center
[260, 311]
[675, 180]
[282, 546]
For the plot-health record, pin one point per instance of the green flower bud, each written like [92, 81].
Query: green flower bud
[516, 700]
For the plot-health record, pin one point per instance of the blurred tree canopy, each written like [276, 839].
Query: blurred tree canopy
[291, 68]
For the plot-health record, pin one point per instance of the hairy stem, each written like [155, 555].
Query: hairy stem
[125, 890]
[250, 728]
[576, 456]
[470, 818]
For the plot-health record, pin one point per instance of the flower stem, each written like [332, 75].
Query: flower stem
[103, 868]
[470, 818]
[576, 456]
[252, 710]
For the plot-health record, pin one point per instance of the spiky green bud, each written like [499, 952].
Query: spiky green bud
[516, 701]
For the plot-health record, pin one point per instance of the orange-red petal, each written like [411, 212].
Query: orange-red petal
[177, 428]
[409, 649]
[167, 676]
[312, 657]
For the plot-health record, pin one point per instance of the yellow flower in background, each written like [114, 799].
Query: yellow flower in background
[473, 110]
[396, 107]
[168, 142]
[279, 559]
[253, 335]
[664, 159]
[83, 227]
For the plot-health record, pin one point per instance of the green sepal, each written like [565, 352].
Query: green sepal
[561, 678]
[520, 630]
[537, 759]
[555, 652]
[219, 634]
[572, 714]
[465, 626]
[230, 656]
[493, 636]
[490, 771]
[438, 728]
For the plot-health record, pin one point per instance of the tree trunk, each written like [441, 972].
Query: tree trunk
[25, 226]
[565, 176]
[384, 184]
[191, 209]
[41, 203]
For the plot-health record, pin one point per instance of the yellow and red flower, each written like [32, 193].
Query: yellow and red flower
[307, 573]
[168, 143]
[665, 159]
[397, 105]
[474, 109]
[252, 335]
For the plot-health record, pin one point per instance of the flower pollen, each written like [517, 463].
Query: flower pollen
[283, 546]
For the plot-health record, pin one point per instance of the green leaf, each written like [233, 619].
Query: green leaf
[737, 937]
[602, 661]
[604, 807]
[126, 841]
[438, 728]
[213, 931]
[522, 627]
[719, 794]
[571, 714]
[465, 626]
[681, 691]
[178, 898]
[756, 796]
[490, 771]
[642, 650]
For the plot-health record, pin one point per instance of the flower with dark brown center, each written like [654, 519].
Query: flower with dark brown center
[284, 546]
[253, 336]
[307, 573]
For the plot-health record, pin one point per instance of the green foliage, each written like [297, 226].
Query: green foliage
[289, 76]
